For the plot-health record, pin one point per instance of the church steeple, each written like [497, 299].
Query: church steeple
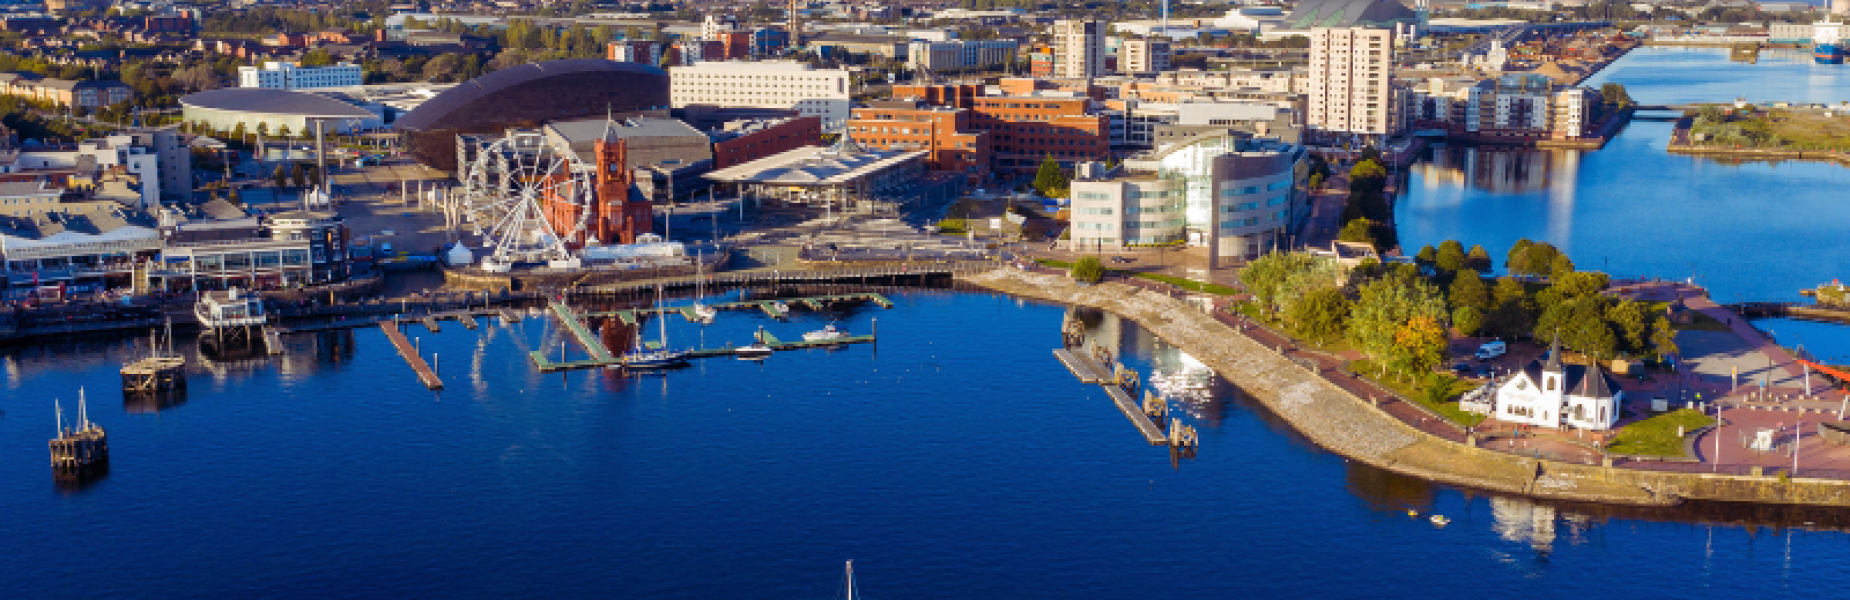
[1553, 365]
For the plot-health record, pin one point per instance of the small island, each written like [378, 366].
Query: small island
[1773, 131]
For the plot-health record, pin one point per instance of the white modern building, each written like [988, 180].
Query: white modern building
[1238, 196]
[1078, 48]
[1351, 85]
[288, 76]
[768, 84]
[958, 55]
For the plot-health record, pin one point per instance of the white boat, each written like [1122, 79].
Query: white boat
[642, 357]
[826, 334]
[752, 352]
[782, 309]
[217, 310]
[704, 313]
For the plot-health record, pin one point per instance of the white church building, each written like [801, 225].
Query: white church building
[1549, 394]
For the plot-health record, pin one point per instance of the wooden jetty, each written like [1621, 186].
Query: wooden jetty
[431, 324]
[154, 374]
[591, 343]
[601, 357]
[272, 341]
[78, 448]
[508, 317]
[630, 316]
[1120, 384]
[1087, 370]
[468, 321]
[771, 341]
[425, 374]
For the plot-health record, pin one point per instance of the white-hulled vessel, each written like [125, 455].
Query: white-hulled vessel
[219, 310]
[643, 357]
[826, 334]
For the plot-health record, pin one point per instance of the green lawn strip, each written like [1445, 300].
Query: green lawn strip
[1657, 436]
[1187, 284]
[1417, 392]
[1701, 322]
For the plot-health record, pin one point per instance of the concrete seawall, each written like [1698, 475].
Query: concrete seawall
[1352, 427]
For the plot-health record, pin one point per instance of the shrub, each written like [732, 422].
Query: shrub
[1089, 270]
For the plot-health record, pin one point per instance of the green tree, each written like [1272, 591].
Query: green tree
[1615, 95]
[1631, 319]
[1321, 315]
[1579, 283]
[1050, 181]
[280, 176]
[1426, 255]
[1468, 291]
[298, 173]
[1451, 257]
[1265, 276]
[1478, 259]
[1663, 339]
[1362, 231]
[1467, 320]
[1560, 267]
[1385, 306]
[1089, 269]
[1419, 345]
[1517, 262]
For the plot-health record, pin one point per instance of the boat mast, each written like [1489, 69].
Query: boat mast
[58, 408]
[662, 317]
[851, 580]
[83, 413]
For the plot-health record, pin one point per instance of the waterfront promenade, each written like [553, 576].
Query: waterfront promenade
[1329, 407]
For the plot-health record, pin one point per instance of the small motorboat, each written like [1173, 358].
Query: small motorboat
[752, 352]
[782, 309]
[826, 334]
[1439, 520]
[705, 313]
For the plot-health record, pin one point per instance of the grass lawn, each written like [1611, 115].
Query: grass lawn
[1700, 322]
[1187, 284]
[1447, 408]
[1657, 436]
[953, 227]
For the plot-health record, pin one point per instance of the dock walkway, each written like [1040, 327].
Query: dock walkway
[410, 354]
[593, 346]
[1087, 370]
[1128, 405]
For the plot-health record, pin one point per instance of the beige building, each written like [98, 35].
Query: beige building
[1078, 48]
[768, 84]
[1351, 82]
[1143, 56]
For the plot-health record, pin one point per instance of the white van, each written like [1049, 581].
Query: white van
[1492, 350]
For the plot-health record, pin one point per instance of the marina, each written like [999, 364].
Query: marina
[600, 356]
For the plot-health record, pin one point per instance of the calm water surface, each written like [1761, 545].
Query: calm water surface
[954, 459]
[1756, 231]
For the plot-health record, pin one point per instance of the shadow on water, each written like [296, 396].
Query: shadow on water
[152, 401]
[82, 480]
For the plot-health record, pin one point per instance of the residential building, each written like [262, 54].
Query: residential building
[636, 51]
[29, 198]
[1351, 86]
[961, 55]
[1517, 107]
[1147, 55]
[1232, 193]
[1078, 48]
[87, 95]
[288, 76]
[945, 133]
[157, 157]
[770, 84]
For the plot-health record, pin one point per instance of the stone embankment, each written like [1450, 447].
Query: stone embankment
[1354, 428]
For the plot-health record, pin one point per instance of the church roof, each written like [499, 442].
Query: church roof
[1594, 384]
[1554, 358]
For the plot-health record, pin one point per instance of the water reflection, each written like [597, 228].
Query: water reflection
[1192, 388]
[150, 401]
[1502, 170]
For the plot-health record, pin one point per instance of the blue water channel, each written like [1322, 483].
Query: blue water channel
[1757, 231]
[955, 458]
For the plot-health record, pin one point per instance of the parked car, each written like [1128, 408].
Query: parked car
[1462, 369]
[1492, 350]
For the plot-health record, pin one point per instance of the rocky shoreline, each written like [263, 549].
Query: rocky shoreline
[1353, 427]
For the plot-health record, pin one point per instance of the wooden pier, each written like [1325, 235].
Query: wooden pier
[1087, 370]
[272, 341]
[630, 316]
[431, 324]
[80, 448]
[508, 317]
[154, 374]
[1120, 384]
[591, 343]
[468, 321]
[425, 374]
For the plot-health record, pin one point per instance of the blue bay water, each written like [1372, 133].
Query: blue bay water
[954, 459]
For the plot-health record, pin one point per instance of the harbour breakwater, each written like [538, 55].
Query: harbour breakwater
[1355, 428]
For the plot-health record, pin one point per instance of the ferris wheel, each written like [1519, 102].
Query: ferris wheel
[527, 201]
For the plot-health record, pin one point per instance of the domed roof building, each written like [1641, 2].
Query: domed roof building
[526, 97]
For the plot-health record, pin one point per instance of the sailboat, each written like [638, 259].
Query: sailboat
[661, 357]
[705, 313]
[849, 586]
